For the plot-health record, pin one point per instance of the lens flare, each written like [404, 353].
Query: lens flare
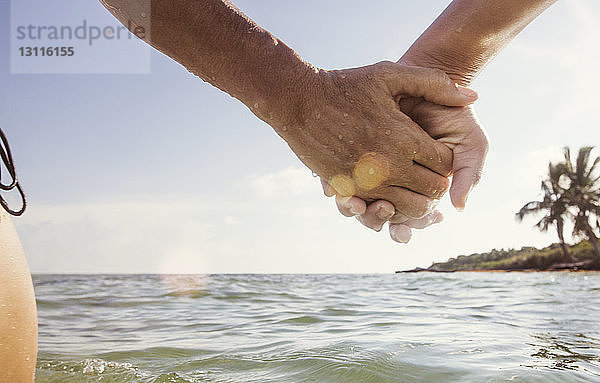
[343, 185]
[371, 170]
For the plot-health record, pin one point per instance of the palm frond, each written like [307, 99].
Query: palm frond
[583, 157]
[568, 163]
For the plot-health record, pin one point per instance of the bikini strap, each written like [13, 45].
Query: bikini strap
[7, 160]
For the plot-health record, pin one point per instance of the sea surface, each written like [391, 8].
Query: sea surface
[462, 327]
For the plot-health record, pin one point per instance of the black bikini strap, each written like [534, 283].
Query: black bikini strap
[7, 160]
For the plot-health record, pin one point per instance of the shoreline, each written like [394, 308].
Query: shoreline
[527, 259]
[500, 271]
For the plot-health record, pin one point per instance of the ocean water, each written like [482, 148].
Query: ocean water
[462, 327]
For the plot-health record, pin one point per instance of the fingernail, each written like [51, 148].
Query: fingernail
[352, 209]
[384, 214]
[402, 236]
[469, 93]
[461, 207]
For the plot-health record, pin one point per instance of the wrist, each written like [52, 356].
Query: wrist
[461, 72]
[283, 102]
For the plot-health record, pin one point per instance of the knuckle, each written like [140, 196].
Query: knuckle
[421, 209]
[386, 65]
[399, 218]
[441, 188]
[477, 176]
[440, 79]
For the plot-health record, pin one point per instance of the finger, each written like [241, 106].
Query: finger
[426, 182]
[327, 189]
[463, 182]
[435, 156]
[421, 223]
[350, 206]
[428, 152]
[406, 201]
[433, 85]
[399, 218]
[400, 233]
[468, 167]
[377, 214]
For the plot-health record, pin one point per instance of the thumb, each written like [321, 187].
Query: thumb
[432, 84]
[468, 168]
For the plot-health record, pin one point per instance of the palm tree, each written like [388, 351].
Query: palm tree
[583, 194]
[553, 207]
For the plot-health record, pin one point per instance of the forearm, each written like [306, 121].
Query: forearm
[218, 43]
[469, 34]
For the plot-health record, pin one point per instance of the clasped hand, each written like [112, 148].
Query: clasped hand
[384, 139]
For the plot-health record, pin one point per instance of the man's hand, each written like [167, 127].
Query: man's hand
[350, 130]
[459, 129]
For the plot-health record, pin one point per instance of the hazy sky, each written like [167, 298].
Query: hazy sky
[161, 172]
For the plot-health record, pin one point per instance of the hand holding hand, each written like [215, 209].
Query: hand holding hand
[460, 130]
[350, 130]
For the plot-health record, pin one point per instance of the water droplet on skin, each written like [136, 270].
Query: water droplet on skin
[284, 128]
[343, 76]
[343, 123]
[388, 132]
[332, 152]
[315, 174]
[350, 142]
[340, 137]
[345, 115]
[347, 94]
[256, 105]
[371, 171]
[143, 14]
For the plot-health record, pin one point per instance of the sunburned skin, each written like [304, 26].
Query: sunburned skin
[344, 125]
[18, 317]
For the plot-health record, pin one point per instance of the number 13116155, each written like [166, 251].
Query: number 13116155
[47, 51]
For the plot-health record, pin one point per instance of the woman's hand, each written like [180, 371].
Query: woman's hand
[348, 128]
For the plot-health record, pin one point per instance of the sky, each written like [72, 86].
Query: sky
[158, 172]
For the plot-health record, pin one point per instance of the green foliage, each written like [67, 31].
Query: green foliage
[525, 258]
[571, 192]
